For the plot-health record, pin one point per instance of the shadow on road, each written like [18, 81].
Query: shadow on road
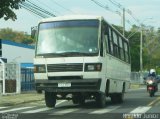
[91, 104]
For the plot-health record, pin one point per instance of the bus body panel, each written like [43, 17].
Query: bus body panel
[118, 72]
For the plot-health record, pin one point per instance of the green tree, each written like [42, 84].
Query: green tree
[151, 47]
[16, 36]
[134, 43]
[7, 7]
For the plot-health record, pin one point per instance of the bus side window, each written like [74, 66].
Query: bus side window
[105, 37]
[115, 44]
[126, 52]
[110, 41]
[106, 42]
[121, 48]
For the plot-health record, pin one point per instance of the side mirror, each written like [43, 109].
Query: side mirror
[33, 31]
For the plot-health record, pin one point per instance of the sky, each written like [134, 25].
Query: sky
[141, 11]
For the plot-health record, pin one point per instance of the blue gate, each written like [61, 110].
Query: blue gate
[27, 79]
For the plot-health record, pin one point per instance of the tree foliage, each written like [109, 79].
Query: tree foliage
[20, 37]
[7, 7]
[151, 47]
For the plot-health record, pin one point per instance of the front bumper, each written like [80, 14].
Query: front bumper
[77, 85]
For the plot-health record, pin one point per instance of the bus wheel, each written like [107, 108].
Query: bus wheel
[50, 99]
[121, 95]
[78, 100]
[114, 98]
[117, 98]
[75, 101]
[82, 101]
[101, 100]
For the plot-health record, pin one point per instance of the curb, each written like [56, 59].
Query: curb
[136, 86]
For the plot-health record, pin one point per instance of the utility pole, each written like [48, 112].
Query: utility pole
[124, 22]
[141, 54]
[141, 50]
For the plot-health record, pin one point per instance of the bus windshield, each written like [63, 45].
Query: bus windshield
[68, 38]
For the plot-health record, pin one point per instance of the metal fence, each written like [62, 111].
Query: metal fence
[9, 78]
[27, 79]
[135, 77]
[14, 79]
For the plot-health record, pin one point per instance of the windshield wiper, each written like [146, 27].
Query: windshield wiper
[49, 54]
[67, 54]
[74, 53]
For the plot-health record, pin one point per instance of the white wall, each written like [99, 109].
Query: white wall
[17, 54]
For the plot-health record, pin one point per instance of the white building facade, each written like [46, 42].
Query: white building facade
[17, 52]
[14, 57]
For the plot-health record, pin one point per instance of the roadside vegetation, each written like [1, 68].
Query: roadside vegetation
[151, 47]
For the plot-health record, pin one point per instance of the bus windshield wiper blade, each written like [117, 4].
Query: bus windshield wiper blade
[67, 54]
[49, 54]
[76, 53]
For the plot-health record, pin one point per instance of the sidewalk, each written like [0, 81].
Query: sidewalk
[136, 86]
[14, 99]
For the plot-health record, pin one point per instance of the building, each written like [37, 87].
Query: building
[16, 67]
[17, 52]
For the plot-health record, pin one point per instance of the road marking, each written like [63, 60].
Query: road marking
[66, 111]
[15, 109]
[43, 109]
[102, 111]
[154, 102]
[60, 102]
[38, 110]
[142, 109]
[2, 107]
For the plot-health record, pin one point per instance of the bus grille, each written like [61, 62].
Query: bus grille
[65, 67]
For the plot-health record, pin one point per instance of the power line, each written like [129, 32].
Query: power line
[38, 8]
[127, 10]
[107, 7]
[116, 4]
[61, 6]
[103, 6]
[35, 9]
[47, 6]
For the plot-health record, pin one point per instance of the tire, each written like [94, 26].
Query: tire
[75, 101]
[78, 100]
[39, 91]
[50, 99]
[117, 98]
[120, 98]
[101, 100]
[114, 98]
[151, 93]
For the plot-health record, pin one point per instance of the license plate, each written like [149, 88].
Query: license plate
[64, 84]
[150, 88]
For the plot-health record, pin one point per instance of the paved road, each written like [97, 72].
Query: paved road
[136, 101]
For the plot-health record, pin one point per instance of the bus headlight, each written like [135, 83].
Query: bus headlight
[93, 66]
[39, 69]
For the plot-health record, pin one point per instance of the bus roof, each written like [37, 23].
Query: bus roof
[71, 17]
